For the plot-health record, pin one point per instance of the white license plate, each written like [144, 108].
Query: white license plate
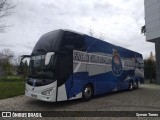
[35, 96]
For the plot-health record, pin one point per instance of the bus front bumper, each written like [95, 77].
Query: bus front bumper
[41, 92]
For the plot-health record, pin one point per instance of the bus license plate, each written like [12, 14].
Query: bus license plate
[35, 96]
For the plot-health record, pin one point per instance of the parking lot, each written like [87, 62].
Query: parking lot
[146, 98]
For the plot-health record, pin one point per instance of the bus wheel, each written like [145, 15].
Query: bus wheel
[130, 85]
[87, 92]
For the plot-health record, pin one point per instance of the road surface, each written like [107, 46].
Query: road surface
[146, 98]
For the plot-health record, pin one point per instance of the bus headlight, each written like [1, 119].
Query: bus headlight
[26, 90]
[47, 92]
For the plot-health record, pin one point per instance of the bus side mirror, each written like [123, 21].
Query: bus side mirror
[24, 58]
[48, 57]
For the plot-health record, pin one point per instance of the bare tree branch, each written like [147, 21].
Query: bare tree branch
[3, 27]
[6, 9]
[93, 34]
[102, 36]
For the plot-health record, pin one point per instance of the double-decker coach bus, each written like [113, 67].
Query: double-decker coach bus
[66, 65]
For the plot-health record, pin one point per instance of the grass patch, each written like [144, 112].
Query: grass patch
[12, 79]
[11, 86]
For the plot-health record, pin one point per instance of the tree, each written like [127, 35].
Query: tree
[100, 36]
[6, 8]
[151, 56]
[143, 29]
[150, 68]
[6, 57]
[23, 69]
[91, 32]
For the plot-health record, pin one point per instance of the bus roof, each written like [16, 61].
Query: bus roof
[47, 40]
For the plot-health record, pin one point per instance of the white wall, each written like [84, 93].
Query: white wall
[152, 19]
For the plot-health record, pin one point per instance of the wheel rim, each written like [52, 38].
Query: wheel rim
[87, 92]
[131, 86]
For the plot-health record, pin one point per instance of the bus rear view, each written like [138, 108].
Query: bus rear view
[66, 65]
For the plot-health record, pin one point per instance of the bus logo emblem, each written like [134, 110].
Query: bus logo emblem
[116, 63]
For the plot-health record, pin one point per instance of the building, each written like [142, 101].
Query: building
[152, 27]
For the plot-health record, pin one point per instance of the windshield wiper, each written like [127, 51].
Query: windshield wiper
[33, 76]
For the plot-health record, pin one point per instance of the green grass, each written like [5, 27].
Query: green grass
[11, 79]
[11, 86]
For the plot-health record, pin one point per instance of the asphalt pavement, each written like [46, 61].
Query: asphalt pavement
[146, 98]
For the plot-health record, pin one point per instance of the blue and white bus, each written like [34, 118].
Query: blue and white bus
[66, 65]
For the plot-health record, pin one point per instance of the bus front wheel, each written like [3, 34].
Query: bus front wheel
[137, 84]
[130, 86]
[87, 93]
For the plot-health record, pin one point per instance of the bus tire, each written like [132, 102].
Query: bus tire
[130, 86]
[87, 92]
[136, 85]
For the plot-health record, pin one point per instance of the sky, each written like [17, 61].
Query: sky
[119, 21]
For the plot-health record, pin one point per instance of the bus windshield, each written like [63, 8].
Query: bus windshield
[38, 69]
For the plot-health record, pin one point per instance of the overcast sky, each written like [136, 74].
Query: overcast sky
[119, 20]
